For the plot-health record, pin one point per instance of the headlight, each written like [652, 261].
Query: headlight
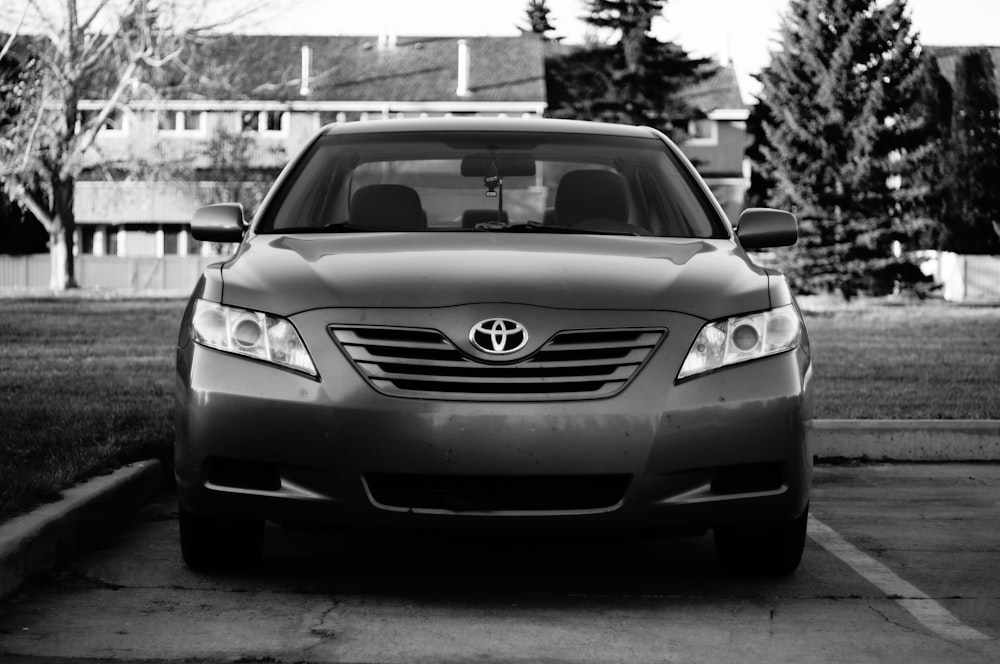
[251, 333]
[741, 339]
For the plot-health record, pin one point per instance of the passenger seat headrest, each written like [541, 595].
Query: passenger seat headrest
[390, 207]
[590, 194]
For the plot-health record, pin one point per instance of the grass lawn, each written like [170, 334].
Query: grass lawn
[86, 385]
[924, 361]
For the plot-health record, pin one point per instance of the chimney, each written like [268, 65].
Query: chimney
[387, 40]
[725, 55]
[306, 66]
[463, 68]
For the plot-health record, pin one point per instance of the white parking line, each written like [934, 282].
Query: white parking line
[929, 612]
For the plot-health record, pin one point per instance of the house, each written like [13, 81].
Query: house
[717, 137]
[226, 119]
[972, 278]
[948, 56]
[224, 123]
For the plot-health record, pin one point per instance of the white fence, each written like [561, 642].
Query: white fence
[169, 273]
[965, 278]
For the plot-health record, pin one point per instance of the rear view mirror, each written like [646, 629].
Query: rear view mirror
[218, 223]
[508, 165]
[760, 228]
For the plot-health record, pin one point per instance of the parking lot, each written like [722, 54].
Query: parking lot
[902, 564]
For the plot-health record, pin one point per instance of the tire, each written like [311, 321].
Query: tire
[215, 544]
[772, 549]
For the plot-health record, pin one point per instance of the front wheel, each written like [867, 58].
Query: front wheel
[773, 548]
[220, 544]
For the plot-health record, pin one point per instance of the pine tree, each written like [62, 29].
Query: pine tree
[538, 12]
[20, 233]
[971, 168]
[929, 186]
[634, 80]
[841, 140]
[762, 181]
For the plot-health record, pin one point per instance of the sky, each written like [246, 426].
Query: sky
[742, 30]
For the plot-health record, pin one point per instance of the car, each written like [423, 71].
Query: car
[477, 324]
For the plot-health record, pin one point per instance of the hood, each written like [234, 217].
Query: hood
[287, 274]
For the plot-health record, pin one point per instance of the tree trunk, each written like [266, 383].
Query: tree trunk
[63, 274]
[57, 260]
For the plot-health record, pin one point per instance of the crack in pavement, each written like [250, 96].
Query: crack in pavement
[320, 629]
[908, 628]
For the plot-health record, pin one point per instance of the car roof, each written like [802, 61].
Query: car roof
[490, 124]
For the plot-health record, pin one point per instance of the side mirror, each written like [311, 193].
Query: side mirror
[761, 228]
[218, 223]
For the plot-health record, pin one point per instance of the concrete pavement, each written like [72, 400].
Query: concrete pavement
[35, 542]
[900, 566]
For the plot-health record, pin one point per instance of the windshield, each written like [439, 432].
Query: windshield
[468, 181]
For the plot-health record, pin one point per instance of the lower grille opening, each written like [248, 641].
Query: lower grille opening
[496, 493]
[748, 478]
[240, 474]
[492, 388]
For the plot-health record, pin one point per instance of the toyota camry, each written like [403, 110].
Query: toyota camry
[475, 324]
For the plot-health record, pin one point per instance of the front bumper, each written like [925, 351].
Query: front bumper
[724, 448]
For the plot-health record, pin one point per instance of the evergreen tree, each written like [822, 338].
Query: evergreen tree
[762, 181]
[841, 140]
[538, 19]
[928, 183]
[971, 170]
[20, 233]
[634, 80]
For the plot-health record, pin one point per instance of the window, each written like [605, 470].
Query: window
[250, 121]
[111, 241]
[702, 131]
[167, 121]
[192, 121]
[265, 122]
[182, 122]
[87, 234]
[115, 123]
[273, 120]
[171, 241]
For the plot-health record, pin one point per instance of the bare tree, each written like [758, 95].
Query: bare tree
[81, 49]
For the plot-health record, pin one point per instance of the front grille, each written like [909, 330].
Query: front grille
[497, 493]
[410, 362]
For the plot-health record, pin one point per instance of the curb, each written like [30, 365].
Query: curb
[37, 541]
[906, 440]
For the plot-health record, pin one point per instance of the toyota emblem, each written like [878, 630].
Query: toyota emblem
[498, 336]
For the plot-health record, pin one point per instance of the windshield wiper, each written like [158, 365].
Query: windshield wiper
[339, 227]
[346, 227]
[539, 227]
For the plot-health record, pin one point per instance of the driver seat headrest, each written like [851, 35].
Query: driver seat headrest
[590, 194]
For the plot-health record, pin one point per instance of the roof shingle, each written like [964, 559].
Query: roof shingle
[947, 59]
[721, 91]
[351, 68]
